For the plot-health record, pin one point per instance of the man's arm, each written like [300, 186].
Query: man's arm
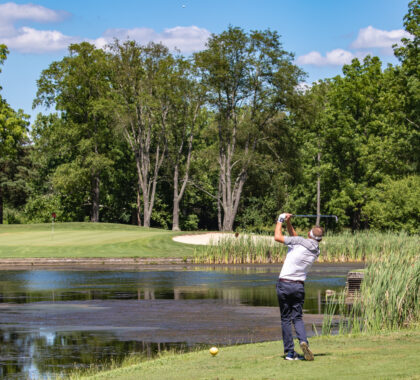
[290, 228]
[278, 233]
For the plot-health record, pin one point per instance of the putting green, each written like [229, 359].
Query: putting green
[88, 240]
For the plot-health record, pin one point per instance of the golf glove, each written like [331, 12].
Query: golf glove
[282, 218]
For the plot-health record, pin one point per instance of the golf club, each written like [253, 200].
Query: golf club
[314, 216]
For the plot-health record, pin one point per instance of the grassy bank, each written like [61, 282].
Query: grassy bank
[344, 247]
[385, 356]
[72, 240]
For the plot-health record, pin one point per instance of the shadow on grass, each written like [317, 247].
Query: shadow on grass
[315, 355]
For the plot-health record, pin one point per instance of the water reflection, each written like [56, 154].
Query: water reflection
[249, 286]
[49, 354]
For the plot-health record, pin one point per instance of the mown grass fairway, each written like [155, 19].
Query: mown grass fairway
[390, 356]
[88, 240]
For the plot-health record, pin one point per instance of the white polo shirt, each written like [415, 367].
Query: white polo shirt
[301, 254]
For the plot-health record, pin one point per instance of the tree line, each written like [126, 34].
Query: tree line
[224, 139]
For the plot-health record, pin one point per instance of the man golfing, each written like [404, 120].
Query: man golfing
[290, 286]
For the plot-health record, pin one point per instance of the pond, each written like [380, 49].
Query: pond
[52, 321]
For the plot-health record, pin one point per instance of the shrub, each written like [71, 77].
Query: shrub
[39, 209]
[395, 205]
[14, 216]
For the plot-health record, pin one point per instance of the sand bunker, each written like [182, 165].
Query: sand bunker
[213, 238]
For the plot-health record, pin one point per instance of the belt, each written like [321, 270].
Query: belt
[294, 281]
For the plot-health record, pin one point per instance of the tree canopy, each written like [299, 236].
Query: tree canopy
[224, 139]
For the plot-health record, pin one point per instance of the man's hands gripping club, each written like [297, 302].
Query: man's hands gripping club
[278, 234]
[285, 217]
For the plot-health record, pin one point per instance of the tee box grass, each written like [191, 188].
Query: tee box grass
[385, 356]
[73, 240]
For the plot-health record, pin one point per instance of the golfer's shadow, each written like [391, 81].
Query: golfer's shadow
[317, 355]
[323, 354]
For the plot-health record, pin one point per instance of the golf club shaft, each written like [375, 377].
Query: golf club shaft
[315, 216]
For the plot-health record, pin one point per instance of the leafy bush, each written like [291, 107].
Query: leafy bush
[258, 215]
[190, 223]
[14, 216]
[39, 209]
[395, 205]
[161, 215]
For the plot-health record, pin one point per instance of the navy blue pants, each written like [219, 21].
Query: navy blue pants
[291, 296]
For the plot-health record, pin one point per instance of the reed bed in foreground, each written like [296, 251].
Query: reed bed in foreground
[389, 297]
[343, 247]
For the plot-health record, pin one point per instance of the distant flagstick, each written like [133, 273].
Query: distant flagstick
[314, 216]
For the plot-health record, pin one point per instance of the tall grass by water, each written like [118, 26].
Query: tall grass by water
[241, 249]
[343, 247]
[389, 297]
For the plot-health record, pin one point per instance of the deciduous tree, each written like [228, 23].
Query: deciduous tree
[13, 136]
[77, 86]
[250, 79]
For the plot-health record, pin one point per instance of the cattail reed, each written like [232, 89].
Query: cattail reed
[241, 249]
[344, 247]
[389, 296]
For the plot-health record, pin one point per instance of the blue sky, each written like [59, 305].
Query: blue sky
[323, 34]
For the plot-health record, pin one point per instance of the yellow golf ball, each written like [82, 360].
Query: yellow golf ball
[214, 351]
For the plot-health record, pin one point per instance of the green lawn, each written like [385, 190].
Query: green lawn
[88, 240]
[388, 356]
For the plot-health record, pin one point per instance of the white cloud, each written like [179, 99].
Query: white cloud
[368, 38]
[336, 57]
[11, 12]
[29, 40]
[371, 37]
[185, 38]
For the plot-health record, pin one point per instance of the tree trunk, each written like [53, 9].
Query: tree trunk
[175, 216]
[148, 200]
[179, 193]
[138, 211]
[230, 207]
[318, 192]
[147, 181]
[231, 195]
[146, 206]
[175, 211]
[219, 206]
[95, 199]
[147, 217]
